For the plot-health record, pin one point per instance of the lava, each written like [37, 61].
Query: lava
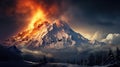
[35, 12]
[36, 16]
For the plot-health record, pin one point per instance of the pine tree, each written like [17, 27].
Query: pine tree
[44, 59]
[91, 60]
[117, 54]
[81, 62]
[110, 58]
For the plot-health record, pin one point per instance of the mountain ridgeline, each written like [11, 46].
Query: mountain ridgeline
[50, 35]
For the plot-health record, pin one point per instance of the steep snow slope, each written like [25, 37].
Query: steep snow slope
[50, 35]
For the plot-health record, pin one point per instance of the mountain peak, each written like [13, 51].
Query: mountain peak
[49, 35]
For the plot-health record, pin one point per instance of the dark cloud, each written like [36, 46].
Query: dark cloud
[6, 22]
[102, 15]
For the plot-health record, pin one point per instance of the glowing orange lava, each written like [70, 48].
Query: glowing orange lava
[34, 11]
[37, 18]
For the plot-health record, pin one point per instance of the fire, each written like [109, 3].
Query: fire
[34, 11]
[37, 15]
[38, 18]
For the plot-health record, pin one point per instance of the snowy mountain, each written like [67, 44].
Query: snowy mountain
[62, 35]
[49, 35]
[65, 43]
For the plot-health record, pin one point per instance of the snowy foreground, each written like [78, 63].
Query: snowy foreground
[31, 64]
[66, 65]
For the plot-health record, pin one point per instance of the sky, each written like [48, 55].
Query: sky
[94, 19]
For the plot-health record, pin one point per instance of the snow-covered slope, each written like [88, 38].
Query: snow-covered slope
[62, 36]
[50, 35]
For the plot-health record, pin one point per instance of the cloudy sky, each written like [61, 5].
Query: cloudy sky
[94, 19]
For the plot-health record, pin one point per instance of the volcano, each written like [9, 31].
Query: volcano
[49, 35]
